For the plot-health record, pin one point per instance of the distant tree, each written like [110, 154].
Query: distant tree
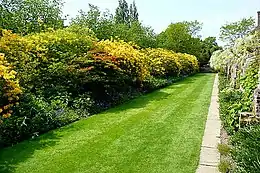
[178, 37]
[131, 12]
[134, 14]
[122, 13]
[208, 46]
[89, 19]
[141, 35]
[194, 27]
[106, 27]
[26, 16]
[125, 15]
[232, 31]
[101, 24]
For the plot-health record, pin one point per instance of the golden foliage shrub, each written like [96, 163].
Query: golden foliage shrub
[163, 62]
[130, 59]
[9, 88]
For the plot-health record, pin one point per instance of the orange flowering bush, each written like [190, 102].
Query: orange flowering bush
[10, 89]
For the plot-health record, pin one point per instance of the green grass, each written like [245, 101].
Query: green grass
[156, 133]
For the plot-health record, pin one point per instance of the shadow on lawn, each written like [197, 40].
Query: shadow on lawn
[156, 95]
[12, 156]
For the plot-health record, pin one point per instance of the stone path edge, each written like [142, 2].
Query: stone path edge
[209, 155]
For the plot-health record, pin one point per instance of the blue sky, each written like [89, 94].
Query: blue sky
[160, 13]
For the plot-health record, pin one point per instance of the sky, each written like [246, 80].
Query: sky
[160, 13]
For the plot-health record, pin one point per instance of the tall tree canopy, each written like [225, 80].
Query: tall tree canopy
[185, 37]
[26, 16]
[106, 26]
[194, 27]
[126, 14]
[122, 12]
[133, 12]
[208, 46]
[100, 23]
[232, 31]
[178, 37]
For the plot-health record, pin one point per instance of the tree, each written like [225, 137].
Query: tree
[178, 37]
[26, 16]
[122, 12]
[105, 26]
[125, 15]
[141, 35]
[101, 24]
[88, 19]
[194, 27]
[208, 46]
[232, 31]
[133, 12]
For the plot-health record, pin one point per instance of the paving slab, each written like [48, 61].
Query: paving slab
[209, 155]
[213, 128]
[207, 169]
[210, 141]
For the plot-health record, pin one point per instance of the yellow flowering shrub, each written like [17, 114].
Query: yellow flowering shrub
[10, 89]
[39, 47]
[165, 62]
[150, 61]
[37, 55]
[129, 58]
[189, 63]
[154, 59]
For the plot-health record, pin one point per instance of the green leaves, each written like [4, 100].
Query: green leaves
[208, 46]
[184, 37]
[244, 56]
[232, 31]
[125, 15]
[27, 16]
[105, 26]
[246, 149]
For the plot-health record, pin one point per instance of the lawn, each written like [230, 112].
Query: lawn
[156, 133]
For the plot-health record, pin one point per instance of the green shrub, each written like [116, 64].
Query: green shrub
[244, 141]
[154, 83]
[225, 166]
[232, 102]
[230, 106]
[246, 149]
[224, 149]
[36, 115]
[52, 96]
[43, 58]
